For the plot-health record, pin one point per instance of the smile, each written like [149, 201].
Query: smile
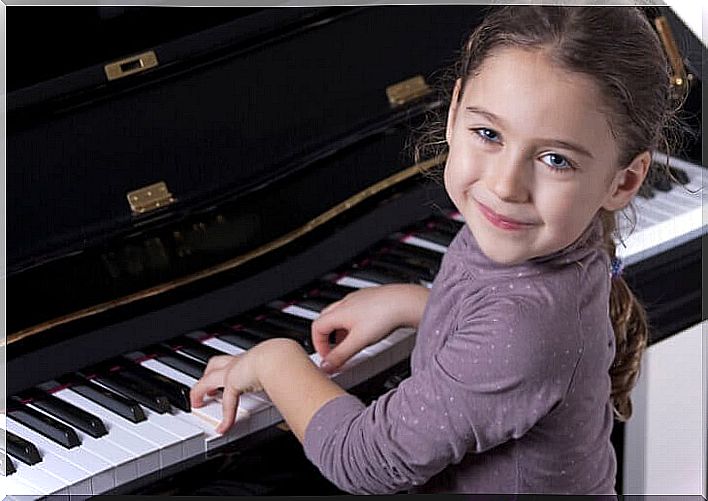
[502, 222]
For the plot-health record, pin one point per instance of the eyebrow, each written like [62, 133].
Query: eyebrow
[555, 142]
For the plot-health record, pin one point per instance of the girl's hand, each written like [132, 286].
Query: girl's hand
[236, 375]
[364, 317]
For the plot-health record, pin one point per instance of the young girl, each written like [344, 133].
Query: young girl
[528, 344]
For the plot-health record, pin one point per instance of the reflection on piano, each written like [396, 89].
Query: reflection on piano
[113, 316]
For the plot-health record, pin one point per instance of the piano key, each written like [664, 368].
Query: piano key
[327, 290]
[425, 243]
[680, 175]
[252, 411]
[42, 423]
[9, 465]
[239, 338]
[356, 283]
[70, 477]
[114, 448]
[435, 237]
[399, 254]
[449, 224]
[376, 275]
[142, 393]
[127, 435]
[73, 416]
[396, 247]
[122, 406]
[311, 304]
[178, 361]
[221, 345]
[193, 348]
[306, 309]
[21, 449]
[177, 394]
[34, 480]
[97, 471]
[413, 272]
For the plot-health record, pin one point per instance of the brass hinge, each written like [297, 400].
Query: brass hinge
[406, 91]
[131, 65]
[679, 78]
[150, 198]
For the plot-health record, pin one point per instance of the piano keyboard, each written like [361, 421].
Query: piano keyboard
[91, 432]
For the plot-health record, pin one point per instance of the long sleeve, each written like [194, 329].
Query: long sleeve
[505, 363]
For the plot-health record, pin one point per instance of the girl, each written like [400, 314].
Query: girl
[520, 365]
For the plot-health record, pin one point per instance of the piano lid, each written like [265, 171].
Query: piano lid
[257, 122]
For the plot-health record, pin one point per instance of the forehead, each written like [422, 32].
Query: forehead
[534, 96]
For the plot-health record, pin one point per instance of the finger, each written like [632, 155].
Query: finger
[208, 383]
[320, 331]
[342, 352]
[229, 403]
[218, 362]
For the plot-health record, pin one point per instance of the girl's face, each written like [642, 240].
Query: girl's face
[531, 156]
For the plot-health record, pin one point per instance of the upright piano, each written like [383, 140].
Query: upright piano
[183, 183]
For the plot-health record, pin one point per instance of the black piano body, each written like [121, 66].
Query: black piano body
[217, 160]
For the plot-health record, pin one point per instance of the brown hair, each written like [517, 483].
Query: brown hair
[619, 50]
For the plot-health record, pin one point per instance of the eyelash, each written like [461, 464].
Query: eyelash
[479, 134]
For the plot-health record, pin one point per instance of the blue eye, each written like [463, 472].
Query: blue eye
[557, 162]
[487, 135]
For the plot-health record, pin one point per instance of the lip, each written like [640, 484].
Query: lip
[502, 222]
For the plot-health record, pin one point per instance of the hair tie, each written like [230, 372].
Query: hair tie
[616, 267]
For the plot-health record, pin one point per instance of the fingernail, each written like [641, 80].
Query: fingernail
[325, 365]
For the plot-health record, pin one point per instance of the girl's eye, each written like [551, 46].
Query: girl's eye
[557, 162]
[487, 135]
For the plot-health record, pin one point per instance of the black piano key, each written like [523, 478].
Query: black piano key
[427, 259]
[181, 363]
[646, 191]
[414, 273]
[67, 412]
[177, 393]
[278, 324]
[143, 393]
[397, 247]
[434, 236]
[446, 224]
[240, 339]
[313, 303]
[377, 275]
[194, 348]
[679, 175]
[328, 290]
[125, 407]
[41, 423]
[660, 181]
[21, 449]
[9, 465]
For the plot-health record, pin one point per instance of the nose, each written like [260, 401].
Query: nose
[508, 178]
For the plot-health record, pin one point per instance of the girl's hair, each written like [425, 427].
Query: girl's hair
[617, 48]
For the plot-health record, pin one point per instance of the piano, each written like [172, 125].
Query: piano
[215, 179]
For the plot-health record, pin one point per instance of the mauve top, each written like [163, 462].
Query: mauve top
[509, 389]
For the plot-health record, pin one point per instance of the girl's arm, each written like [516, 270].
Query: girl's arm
[364, 317]
[278, 366]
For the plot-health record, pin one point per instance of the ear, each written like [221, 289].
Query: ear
[627, 182]
[452, 110]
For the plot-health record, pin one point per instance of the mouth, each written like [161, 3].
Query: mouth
[503, 222]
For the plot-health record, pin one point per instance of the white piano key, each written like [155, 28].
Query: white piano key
[123, 466]
[16, 490]
[357, 283]
[301, 312]
[212, 411]
[30, 481]
[76, 480]
[220, 345]
[122, 432]
[100, 471]
[425, 244]
[189, 436]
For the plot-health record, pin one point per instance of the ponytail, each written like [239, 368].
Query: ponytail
[630, 325]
